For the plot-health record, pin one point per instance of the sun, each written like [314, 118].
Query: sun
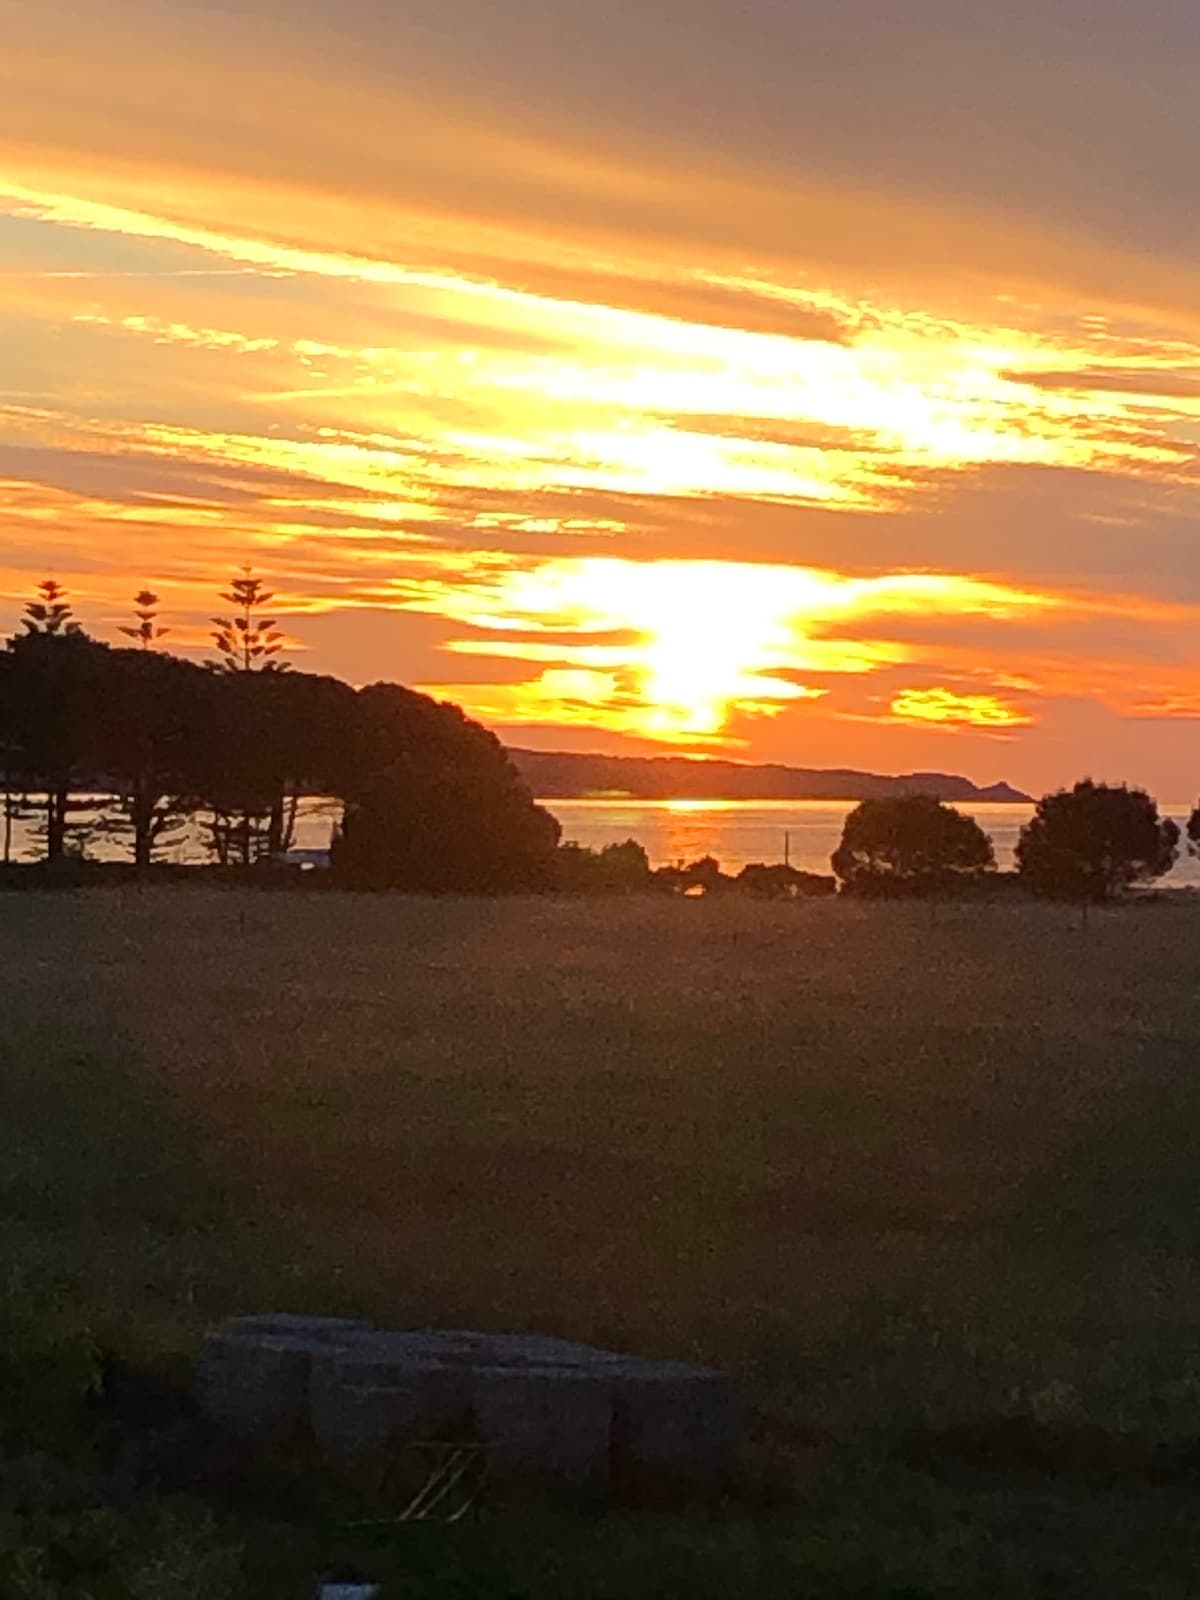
[682, 652]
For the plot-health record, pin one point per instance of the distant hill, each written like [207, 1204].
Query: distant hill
[563, 775]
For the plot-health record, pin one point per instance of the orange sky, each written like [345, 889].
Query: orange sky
[684, 376]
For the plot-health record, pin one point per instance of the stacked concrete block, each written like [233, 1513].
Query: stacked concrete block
[553, 1423]
[360, 1403]
[546, 1408]
[254, 1374]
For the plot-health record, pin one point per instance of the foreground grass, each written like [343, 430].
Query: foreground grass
[928, 1189]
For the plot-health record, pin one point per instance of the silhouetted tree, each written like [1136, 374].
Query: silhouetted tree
[617, 868]
[1193, 832]
[248, 641]
[909, 844]
[50, 697]
[778, 881]
[145, 628]
[434, 804]
[271, 738]
[700, 877]
[150, 739]
[259, 822]
[1093, 841]
[49, 613]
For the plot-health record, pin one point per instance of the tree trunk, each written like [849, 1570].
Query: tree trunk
[56, 823]
[275, 826]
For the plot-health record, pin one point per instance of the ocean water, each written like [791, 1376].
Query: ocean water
[806, 832]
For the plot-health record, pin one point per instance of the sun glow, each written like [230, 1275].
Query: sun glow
[677, 650]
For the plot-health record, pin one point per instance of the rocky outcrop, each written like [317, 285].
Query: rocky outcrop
[544, 1409]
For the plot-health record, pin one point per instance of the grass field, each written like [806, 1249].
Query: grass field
[930, 1190]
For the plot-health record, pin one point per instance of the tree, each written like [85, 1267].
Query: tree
[260, 822]
[51, 697]
[248, 641]
[702, 877]
[270, 737]
[1094, 841]
[1193, 832]
[909, 844]
[145, 629]
[616, 869]
[433, 803]
[778, 881]
[149, 736]
[49, 614]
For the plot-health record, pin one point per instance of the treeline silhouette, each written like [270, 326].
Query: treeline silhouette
[147, 748]
[230, 747]
[1090, 844]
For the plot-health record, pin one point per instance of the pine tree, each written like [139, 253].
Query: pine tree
[248, 641]
[50, 712]
[49, 613]
[145, 629]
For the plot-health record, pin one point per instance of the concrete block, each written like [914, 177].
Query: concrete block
[359, 1407]
[255, 1385]
[294, 1325]
[548, 1423]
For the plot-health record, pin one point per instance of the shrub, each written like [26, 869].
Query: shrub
[909, 844]
[1094, 841]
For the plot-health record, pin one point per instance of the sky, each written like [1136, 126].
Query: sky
[764, 379]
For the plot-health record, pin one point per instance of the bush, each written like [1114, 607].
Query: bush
[910, 844]
[433, 804]
[778, 881]
[702, 877]
[1094, 841]
[616, 869]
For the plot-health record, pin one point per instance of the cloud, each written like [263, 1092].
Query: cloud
[420, 311]
[946, 708]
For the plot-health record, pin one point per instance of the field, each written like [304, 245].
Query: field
[928, 1186]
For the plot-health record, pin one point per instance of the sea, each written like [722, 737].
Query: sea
[735, 832]
[804, 832]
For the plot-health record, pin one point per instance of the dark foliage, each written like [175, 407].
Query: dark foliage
[616, 869]
[433, 803]
[1193, 832]
[910, 844]
[248, 641]
[697, 878]
[51, 699]
[146, 741]
[267, 739]
[1092, 842]
[778, 881]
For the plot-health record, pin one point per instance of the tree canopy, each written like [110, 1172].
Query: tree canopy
[432, 801]
[434, 804]
[1094, 841]
[909, 844]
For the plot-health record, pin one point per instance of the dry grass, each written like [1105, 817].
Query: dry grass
[898, 1175]
[719, 1126]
